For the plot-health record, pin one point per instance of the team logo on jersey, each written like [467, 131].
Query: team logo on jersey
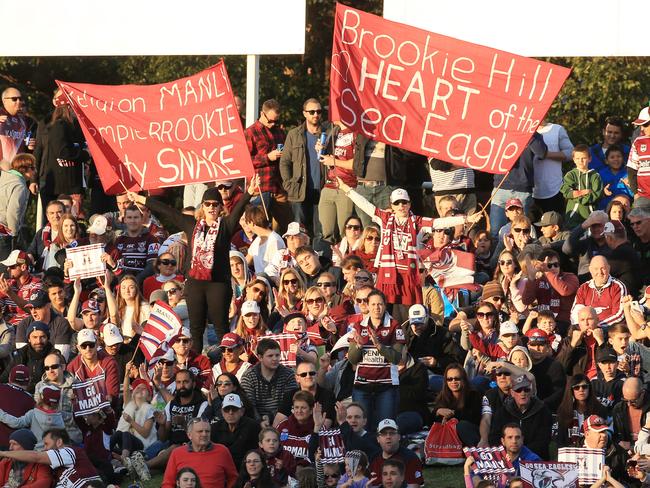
[399, 334]
[142, 246]
[643, 148]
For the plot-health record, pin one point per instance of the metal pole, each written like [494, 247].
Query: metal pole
[252, 88]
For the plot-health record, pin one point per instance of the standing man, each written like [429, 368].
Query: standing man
[638, 164]
[303, 175]
[137, 246]
[14, 196]
[265, 140]
[15, 291]
[12, 126]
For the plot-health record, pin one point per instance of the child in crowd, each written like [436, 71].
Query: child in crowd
[482, 257]
[508, 339]
[582, 188]
[281, 463]
[295, 323]
[546, 322]
[45, 416]
[356, 464]
[614, 176]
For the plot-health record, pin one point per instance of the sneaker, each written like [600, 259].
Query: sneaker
[128, 465]
[140, 466]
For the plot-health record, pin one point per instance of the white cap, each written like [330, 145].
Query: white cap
[250, 306]
[399, 194]
[170, 355]
[417, 314]
[294, 228]
[508, 327]
[15, 258]
[86, 335]
[185, 332]
[387, 424]
[98, 225]
[112, 335]
[232, 400]
[643, 118]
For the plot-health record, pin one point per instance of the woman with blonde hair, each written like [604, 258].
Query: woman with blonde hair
[132, 309]
[175, 291]
[368, 247]
[291, 291]
[321, 328]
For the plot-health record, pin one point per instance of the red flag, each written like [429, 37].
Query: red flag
[155, 136]
[463, 103]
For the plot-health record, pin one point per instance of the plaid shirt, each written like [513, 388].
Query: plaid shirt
[261, 141]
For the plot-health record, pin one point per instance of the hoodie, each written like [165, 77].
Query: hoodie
[38, 420]
[525, 351]
[14, 196]
[66, 405]
[237, 289]
[578, 209]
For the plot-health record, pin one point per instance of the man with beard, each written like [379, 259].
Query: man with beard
[512, 440]
[32, 354]
[187, 404]
[548, 372]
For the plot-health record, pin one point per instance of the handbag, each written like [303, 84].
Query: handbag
[443, 446]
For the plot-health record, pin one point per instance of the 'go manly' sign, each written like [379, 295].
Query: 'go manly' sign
[456, 101]
[171, 134]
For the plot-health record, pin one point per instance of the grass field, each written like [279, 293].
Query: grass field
[438, 477]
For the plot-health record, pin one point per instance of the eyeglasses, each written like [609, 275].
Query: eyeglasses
[223, 383]
[503, 373]
[505, 262]
[373, 238]
[306, 373]
[269, 120]
[361, 300]
[520, 230]
[454, 378]
[314, 112]
[14, 99]
[401, 202]
[553, 265]
[184, 340]
[311, 301]
[211, 204]
[325, 284]
[523, 390]
[168, 262]
[580, 387]
[483, 315]
[87, 345]
[52, 367]
[171, 291]
[290, 282]
[353, 227]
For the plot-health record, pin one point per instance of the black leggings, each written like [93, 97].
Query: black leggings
[121, 441]
[207, 299]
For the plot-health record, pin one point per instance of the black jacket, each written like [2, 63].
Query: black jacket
[536, 424]
[413, 385]
[239, 441]
[30, 358]
[622, 420]
[609, 393]
[434, 341]
[551, 380]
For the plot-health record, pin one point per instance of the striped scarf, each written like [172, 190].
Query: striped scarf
[396, 248]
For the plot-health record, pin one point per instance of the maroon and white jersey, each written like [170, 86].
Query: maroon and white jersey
[640, 161]
[606, 301]
[12, 134]
[373, 367]
[136, 251]
[13, 314]
[295, 438]
[71, 467]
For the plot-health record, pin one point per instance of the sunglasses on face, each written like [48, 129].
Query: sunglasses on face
[87, 345]
[454, 378]
[483, 315]
[353, 227]
[523, 390]
[503, 373]
[14, 99]
[311, 301]
[230, 409]
[505, 262]
[373, 238]
[325, 284]
[171, 291]
[269, 120]
[52, 367]
[580, 387]
[312, 112]
[520, 230]
[497, 299]
[306, 373]
[290, 282]
[211, 204]
[223, 383]
[184, 340]
[257, 289]
[223, 187]
[166, 363]
[361, 300]
[552, 265]
[168, 262]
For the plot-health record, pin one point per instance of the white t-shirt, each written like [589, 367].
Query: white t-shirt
[263, 252]
[548, 172]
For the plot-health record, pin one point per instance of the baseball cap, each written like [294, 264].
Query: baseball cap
[513, 202]
[232, 400]
[537, 336]
[98, 225]
[644, 117]
[142, 382]
[170, 355]
[90, 306]
[86, 335]
[606, 354]
[613, 227]
[399, 194]
[596, 423]
[549, 218]
[508, 327]
[231, 340]
[293, 315]
[16, 257]
[492, 289]
[19, 374]
[51, 396]
[295, 228]
[521, 382]
[37, 325]
[417, 314]
[250, 306]
[387, 424]
[112, 335]
[38, 299]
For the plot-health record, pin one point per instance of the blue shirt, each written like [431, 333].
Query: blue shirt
[524, 455]
[313, 175]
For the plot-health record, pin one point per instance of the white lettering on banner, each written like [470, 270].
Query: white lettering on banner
[332, 452]
[183, 95]
[187, 163]
[123, 105]
[373, 356]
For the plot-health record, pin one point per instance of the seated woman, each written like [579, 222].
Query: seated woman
[321, 328]
[291, 291]
[175, 292]
[254, 473]
[166, 269]
[296, 430]
[350, 242]
[232, 347]
[458, 400]
[367, 251]
[225, 384]
[251, 327]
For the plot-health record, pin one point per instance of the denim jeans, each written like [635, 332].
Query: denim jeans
[379, 196]
[153, 450]
[498, 207]
[378, 406]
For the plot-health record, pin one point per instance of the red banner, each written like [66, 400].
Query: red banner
[288, 347]
[171, 134]
[460, 102]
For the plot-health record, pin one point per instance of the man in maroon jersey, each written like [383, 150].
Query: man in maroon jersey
[15, 291]
[137, 246]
